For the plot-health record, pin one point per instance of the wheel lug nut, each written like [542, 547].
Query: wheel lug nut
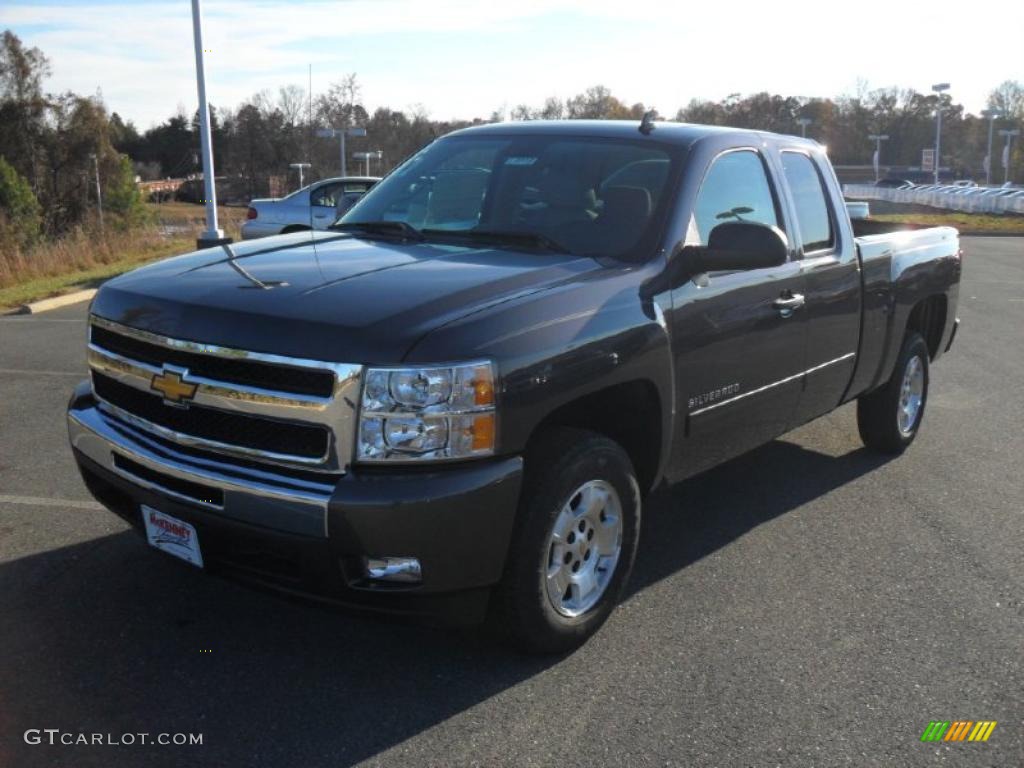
[583, 526]
[576, 566]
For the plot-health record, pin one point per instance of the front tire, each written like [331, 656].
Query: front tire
[574, 544]
[889, 418]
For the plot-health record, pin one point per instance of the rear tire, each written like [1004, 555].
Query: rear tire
[889, 418]
[577, 527]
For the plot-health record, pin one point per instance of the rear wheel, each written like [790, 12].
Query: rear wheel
[889, 418]
[574, 544]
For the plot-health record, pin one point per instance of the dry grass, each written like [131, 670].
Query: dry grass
[87, 255]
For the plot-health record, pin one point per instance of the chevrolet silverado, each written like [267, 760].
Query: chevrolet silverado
[454, 400]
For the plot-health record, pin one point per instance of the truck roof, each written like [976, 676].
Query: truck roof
[683, 134]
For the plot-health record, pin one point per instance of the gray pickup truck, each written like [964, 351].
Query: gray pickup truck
[454, 400]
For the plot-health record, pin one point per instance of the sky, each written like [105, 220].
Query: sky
[464, 59]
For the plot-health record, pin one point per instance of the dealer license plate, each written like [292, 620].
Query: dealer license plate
[171, 535]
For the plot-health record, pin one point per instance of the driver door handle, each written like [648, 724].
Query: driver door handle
[788, 302]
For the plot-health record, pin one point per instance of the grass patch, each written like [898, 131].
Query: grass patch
[174, 212]
[967, 223]
[87, 256]
[90, 277]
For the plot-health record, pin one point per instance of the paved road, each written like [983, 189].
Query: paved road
[808, 604]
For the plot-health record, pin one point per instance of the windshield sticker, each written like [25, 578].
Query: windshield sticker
[520, 161]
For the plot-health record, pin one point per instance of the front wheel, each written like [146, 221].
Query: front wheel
[574, 544]
[888, 418]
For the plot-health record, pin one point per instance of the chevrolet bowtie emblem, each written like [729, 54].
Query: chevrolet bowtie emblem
[174, 388]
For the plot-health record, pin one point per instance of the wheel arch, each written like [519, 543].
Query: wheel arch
[928, 317]
[629, 413]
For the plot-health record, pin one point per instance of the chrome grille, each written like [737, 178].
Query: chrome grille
[270, 408]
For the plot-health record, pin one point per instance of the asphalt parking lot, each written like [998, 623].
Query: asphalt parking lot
[807, 604]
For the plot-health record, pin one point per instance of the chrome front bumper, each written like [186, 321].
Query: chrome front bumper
[283, 500]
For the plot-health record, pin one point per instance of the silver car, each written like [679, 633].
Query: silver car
[312, 207]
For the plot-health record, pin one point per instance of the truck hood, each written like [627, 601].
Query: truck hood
[325, 295]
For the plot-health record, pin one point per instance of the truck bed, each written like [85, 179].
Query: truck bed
[898, 264]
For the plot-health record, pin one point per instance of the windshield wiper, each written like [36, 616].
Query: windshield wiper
[388, 228]
[500, 237]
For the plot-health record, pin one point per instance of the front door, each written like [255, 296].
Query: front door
[738, 337]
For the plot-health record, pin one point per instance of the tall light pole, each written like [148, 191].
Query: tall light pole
[341, 133]
[938, 88]
[803, 122]
[213, 235]
[991, 114]
[300, 167]
[1006, 151]
[99, 192]
[878, 138]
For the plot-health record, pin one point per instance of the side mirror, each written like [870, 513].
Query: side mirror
[740, 245]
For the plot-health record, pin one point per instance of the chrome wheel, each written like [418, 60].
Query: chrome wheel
[583, 548]
[911, 395]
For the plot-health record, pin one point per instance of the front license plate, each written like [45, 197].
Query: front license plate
[171, 535]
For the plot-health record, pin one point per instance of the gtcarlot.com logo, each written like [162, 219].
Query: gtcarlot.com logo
[55, 736]
[958, 730]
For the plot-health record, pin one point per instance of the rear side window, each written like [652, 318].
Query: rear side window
[325, 195]
[812, 211]
[735, 189]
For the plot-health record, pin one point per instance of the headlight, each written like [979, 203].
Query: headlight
[421, 414]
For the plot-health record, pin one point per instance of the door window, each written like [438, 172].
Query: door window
[735, 188]
[812, 211]
[325, 195]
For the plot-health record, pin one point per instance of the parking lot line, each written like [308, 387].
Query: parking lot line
[20, 371]
[33, 319]
[39, 501]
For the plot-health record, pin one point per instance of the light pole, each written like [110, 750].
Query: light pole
[878, 138]
[938, 88]
[99, 193]
[991, 114]
[1006, 151]
[300, 167]
[803, 123]
[213, 235]
[341, 133]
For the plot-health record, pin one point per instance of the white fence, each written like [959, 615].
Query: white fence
[952, 201]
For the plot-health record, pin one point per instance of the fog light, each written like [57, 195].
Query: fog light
[405, 570]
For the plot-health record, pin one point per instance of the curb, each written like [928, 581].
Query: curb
[45, 305]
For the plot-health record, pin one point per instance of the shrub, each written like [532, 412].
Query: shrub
[20, 214]
[122, 197]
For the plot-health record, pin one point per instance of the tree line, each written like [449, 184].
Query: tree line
[53, 146]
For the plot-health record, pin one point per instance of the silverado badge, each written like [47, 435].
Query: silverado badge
[174, 388]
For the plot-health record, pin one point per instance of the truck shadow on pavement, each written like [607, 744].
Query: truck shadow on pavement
[109, 637]
[687, 521]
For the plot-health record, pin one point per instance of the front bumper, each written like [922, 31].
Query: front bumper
[310, 538]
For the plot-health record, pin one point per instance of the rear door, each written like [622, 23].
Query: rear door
[828, 259]
[739, 348]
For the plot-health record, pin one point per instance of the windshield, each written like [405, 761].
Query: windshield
[585, 196]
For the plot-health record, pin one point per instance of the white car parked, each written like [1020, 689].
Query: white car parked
[313, 207]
